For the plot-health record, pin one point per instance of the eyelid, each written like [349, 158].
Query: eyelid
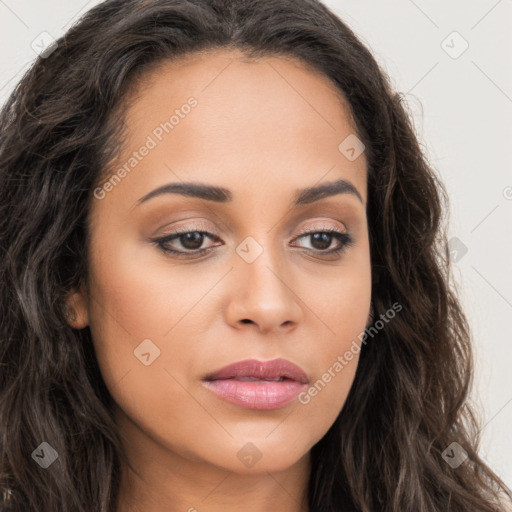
[191, 227]
[202, 226]
[315, 227]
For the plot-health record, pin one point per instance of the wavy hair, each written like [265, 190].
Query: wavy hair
[60, 128]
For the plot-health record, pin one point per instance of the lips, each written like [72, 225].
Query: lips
[253, 370]
[253, 384]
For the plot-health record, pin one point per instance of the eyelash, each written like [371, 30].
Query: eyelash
[345, 239]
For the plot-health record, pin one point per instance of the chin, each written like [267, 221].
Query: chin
[256, 456]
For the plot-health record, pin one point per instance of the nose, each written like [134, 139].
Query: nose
[262, 294]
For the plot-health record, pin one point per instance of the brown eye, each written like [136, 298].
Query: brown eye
[192, 240]
[189, 240]
[322, 240]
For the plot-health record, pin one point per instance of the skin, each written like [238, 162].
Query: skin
[263, 129]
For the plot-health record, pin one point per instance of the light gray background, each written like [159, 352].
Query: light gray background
[462, 106]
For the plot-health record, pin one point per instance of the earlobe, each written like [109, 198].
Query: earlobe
[76, 309]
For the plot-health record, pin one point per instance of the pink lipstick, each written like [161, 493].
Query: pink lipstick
[258, 384]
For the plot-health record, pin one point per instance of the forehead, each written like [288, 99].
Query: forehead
[226, 79]
[272, 119]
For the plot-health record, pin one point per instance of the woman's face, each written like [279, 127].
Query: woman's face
[262, 133]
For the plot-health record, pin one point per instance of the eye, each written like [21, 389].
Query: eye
[191, 240]
[322, 238]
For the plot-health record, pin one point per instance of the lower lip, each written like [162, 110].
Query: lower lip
[258, 394]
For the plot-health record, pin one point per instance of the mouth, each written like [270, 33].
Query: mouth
[252, 379]
[258, 384]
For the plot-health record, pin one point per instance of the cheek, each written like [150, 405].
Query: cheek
[343, 306]
[342, 299]
[124, 308]
[138, 295]
[133, 308]
[335, 364]
[143, 304]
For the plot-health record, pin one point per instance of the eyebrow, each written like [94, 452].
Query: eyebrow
[224, 195]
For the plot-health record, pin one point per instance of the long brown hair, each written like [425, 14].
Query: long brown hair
[59, 129]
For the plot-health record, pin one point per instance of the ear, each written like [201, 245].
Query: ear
[77, 309]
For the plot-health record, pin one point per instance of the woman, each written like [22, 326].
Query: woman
[302, 350]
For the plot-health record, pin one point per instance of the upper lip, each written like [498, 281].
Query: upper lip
[273, 369]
